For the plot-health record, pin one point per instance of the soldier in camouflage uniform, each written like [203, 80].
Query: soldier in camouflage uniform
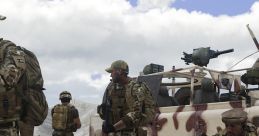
[10, 76]
[127, 105]
[22, 101]
[65, 117]
[236, 124]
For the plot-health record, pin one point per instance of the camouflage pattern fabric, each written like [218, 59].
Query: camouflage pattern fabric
[21, 76]
[71, 114]
[119, 64]
[141, 105]
[8, 132]
[60, 116]
[11, 71]
[132, 103]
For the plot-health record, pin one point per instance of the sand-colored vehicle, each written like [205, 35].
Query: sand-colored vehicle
[203, 94]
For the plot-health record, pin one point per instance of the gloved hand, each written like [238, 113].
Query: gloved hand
[107, 127]
[72, 126]
[101, 110]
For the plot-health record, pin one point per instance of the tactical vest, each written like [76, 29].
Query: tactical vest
[62, 117]
[122, 101]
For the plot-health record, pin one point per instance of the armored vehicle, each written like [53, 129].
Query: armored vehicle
[203, 94]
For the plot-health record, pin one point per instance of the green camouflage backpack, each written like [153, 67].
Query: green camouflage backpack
[23, 100]
[61, 117]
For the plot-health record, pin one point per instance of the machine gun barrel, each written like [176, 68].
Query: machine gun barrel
[217, 53]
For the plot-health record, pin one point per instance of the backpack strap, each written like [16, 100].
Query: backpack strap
[3, 45]
[17, 55]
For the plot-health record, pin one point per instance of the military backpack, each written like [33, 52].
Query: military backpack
[61, 117]
[24, 100]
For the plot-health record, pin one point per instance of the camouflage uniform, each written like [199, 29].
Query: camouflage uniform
[237, 116]
[132, 103]
[10, 76]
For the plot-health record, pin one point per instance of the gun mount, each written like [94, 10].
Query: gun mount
[202, 56]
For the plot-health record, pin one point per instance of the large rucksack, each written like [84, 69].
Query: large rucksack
[24, 100]
[61, 117]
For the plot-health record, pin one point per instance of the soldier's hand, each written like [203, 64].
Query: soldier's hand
[72, 126]
[107, 127]
[101, 110]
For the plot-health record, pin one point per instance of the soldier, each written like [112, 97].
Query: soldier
[22, 101]
[236, 124]
[65, 117]
[127, 105]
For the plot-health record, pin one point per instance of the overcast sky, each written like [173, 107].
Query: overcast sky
[75, 40]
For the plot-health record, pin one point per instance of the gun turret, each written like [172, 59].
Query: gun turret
[202, 56]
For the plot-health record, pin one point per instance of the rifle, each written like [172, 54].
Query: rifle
[107, 111]
[106, 108]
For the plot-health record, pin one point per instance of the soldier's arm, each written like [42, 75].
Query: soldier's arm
[133, 118]
[76, 119]
[52, 111]
[13, 66]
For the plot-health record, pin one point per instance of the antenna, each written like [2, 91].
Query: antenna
[253, 36]
[256, 43]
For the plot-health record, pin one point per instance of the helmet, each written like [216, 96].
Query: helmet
[65, 94]
[236, 115]
[118, 64]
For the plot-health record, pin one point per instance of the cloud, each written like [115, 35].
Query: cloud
[76, 40]
[149, 4]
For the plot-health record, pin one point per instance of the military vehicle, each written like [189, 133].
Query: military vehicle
[203, 94]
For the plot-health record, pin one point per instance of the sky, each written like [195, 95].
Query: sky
[213, 7]
[75, 40]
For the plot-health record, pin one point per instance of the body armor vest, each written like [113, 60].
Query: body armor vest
[122, 99]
